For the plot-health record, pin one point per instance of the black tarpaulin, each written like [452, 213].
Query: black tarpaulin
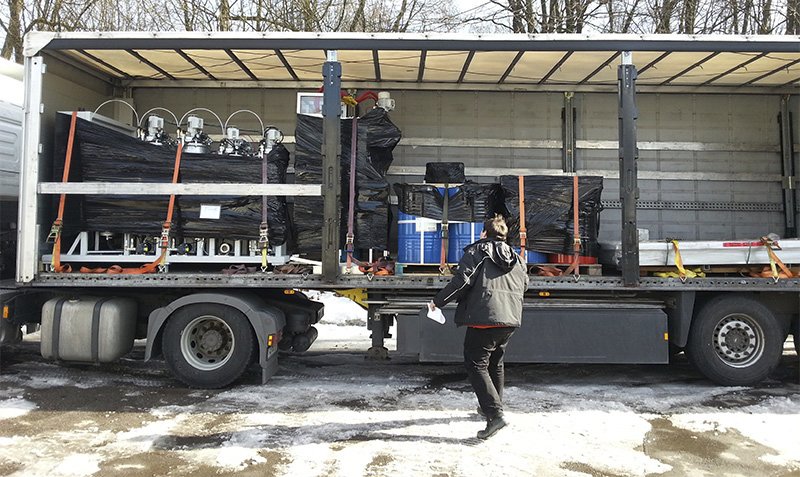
[101, 154]
[468, 202]
[376, 138]
[549, 212]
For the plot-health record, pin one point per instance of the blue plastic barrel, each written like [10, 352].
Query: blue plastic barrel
[461, 234]
[419, 239]
[533, 256]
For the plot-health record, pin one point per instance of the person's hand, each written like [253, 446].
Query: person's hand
[431, 306]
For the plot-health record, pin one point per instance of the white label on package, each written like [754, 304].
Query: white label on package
[209, 211]
[425, 225]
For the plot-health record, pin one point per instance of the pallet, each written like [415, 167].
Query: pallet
[422, 269]
[591, 270]
[719, 270]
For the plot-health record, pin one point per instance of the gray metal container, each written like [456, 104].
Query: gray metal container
[88, 329]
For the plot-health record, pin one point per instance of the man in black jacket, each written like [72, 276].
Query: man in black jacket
[489, 285]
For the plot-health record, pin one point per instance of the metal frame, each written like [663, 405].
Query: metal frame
[198, 189]
[331, 173]
[419, 85]
[471, 44]
[28, 230]
[407, 282]
[787, 166]
[628, 185]
[412, 41]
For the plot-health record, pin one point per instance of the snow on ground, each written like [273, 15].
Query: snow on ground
[332, 413]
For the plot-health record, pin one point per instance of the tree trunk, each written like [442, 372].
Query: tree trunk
[224, 16]
[13, 42]
[793, 17]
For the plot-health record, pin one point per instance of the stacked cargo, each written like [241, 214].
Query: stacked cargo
[376, 138]
[105, 155]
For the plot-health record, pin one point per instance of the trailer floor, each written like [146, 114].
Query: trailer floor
[331, 412]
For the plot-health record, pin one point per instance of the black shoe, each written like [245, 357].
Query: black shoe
[492, 427]
[480, 412]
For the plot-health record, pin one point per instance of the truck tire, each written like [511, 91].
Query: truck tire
[208, 345]
[735, 341]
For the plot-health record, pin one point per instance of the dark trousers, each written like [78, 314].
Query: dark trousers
[483, 357]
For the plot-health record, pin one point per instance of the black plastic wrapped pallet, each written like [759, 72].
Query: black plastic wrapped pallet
[444, 173]
[105, 155]
[548, 212]
[382, 137]
[377, 136]
[468, 202]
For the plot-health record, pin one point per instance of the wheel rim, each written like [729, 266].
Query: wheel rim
[207, 343]
[738, 340]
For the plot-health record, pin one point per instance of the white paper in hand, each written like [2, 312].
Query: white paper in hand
[436, 315]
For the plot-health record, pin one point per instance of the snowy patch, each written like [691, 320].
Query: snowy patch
[339, 310]
[15, 407]
[772, 423]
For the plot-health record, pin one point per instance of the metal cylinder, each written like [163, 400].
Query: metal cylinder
[301, 343]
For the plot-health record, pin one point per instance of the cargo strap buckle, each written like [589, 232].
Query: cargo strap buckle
[55, 231]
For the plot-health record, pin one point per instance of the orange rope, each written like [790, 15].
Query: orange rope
[55, 231]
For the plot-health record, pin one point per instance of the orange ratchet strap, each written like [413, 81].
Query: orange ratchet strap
[55, 230]
[161, 260]
[774, 260]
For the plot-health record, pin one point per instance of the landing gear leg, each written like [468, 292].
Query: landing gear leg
[379, 325]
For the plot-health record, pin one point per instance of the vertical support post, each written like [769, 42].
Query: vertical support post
[787, 161]
[331, 174]
[568, 129]
[628, 154]
[379, 326]
[28, 239]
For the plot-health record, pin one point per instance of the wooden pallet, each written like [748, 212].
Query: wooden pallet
[591, 270]
[422, 269]
[719, 270]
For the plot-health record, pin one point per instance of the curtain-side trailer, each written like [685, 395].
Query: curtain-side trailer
[694, 137]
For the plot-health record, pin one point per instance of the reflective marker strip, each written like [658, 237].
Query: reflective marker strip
[666, 336]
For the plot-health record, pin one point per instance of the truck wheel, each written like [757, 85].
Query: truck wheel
[735, 341]
[208, 345]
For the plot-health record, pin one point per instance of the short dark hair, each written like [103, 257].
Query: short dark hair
[495, 227]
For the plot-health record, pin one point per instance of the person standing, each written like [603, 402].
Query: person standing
[489, 285]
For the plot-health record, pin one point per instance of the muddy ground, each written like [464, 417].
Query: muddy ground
[331, 412]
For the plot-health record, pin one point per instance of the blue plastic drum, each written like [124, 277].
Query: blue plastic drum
[419, 240]
[461, 234]
[533, 256]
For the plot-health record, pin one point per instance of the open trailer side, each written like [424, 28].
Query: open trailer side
[693, 137]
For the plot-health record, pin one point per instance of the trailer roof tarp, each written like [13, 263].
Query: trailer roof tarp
[771, 62]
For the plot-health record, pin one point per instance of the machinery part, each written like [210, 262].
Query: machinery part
[145, 247]
[186, 248]
[272, 137]
[385, 101]
[195, 140]
[224, 248]
[735, 341]
[302, 342]
[378, 353]
[155, 131]
[208, 345]
[234, 145]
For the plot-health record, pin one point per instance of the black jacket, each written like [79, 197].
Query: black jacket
[489, 285]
